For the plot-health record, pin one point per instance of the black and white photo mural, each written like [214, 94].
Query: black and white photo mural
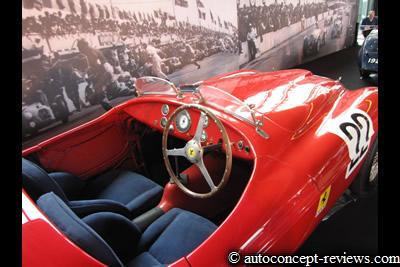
[74, 50]
[279, 34]
[80, 57]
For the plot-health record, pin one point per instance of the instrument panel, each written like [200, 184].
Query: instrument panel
[183, 121]
[185, 124]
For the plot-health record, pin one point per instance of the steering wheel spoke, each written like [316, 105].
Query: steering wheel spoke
[176, 152]
[199, 129]
[206, 175]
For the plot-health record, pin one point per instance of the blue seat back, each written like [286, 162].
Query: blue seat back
[37, 181]
[76, 230]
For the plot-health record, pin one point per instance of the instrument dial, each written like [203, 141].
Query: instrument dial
[165, 109]
[204, 136]
[206, 122]
[183, 121]
[163, 122]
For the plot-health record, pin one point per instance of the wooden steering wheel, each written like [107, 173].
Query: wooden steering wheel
[193, 151]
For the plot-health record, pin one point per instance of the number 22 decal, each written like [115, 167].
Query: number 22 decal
[356, 129]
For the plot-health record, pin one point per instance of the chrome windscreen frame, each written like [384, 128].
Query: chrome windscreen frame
[176, 90]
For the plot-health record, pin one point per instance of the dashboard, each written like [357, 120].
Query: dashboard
[184, 126]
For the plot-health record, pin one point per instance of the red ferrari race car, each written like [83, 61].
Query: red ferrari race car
[247, 161]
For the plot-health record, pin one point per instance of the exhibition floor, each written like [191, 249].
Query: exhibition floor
[353, 229]
[341, 64]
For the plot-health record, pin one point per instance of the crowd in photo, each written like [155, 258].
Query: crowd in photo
[268, 18]
[153, 55]
[256, 20]
[53, 24]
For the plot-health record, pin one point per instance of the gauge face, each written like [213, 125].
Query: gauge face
[204, 136]
[206, 121]
[163, 122]
[240, 145]
[183, 121]
[165, 109]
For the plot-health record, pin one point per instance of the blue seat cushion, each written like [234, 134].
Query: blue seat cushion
[83, 208]
[145, 259]
[127, 193]
[133, 190]
[172, 236]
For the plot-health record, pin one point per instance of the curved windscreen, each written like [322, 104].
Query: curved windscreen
[209, 95]
[152, 85]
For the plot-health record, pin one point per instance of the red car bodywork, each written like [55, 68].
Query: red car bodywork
[292, 168]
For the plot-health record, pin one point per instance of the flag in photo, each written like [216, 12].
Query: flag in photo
[130, 14]
[47, 4]
[126, 14]
[106, 11]
[93, 11]
[84, 9]
[27, 4]
[101, 12]
[72, 7]
[120, 14]
[134, 16]
[60, 4]
[182, 3]
[202, 15]
[200, 4]
[38, 4]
